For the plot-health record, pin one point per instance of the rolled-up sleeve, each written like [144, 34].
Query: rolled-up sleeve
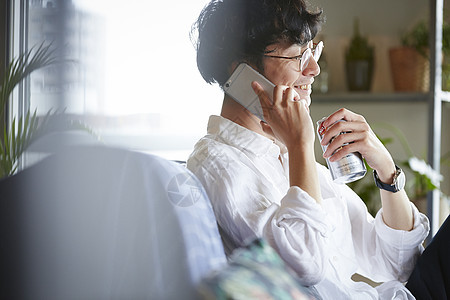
[384, 253]
[402, 248]
[401, 239]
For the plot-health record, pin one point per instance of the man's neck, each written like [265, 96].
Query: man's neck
[235, 112]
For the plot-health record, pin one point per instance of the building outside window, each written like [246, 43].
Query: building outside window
[128, 71]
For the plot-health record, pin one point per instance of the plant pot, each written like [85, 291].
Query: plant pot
[359, 74]
[410, 70]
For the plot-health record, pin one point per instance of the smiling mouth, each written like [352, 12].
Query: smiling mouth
[304, 87]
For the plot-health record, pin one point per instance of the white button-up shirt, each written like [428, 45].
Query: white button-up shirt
[246, 177]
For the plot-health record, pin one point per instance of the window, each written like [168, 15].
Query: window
[130, 71]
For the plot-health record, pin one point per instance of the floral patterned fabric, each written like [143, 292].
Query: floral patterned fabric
[254, 272]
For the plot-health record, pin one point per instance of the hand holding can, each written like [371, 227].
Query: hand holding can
[349, 168]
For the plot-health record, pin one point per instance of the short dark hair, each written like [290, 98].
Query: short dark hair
[240, 30]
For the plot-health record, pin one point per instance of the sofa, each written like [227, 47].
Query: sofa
[96, 222]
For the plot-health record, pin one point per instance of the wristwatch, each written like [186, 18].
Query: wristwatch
[398, 183]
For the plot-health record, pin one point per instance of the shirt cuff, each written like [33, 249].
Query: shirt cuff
[402, 239]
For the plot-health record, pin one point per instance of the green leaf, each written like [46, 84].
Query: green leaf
[22, 66]
[13, 135]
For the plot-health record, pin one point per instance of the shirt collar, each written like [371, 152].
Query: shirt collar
[240, 137]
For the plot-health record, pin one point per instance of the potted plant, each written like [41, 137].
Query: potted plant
[410, 65]
[424, 177]
[359, 61]
[22, 132]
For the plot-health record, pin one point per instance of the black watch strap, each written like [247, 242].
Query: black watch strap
[398, 183]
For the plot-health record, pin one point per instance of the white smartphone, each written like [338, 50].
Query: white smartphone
[238, 87]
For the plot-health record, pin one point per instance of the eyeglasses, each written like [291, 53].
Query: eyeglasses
[304, 58]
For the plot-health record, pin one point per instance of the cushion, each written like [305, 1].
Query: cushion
[254, 272]
[105, 223]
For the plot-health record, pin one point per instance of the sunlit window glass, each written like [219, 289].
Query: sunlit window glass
[129, 71]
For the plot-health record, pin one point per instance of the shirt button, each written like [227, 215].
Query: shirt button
[335, 258]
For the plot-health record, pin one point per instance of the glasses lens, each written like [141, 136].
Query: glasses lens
[318, 51]
[305, 59]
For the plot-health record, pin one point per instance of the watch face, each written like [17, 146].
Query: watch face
[400, 180]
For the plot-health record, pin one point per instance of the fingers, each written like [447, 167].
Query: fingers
[344, 144]
[287, 117]
[353, 134]
[343, 127]
[344, 150]
[344, 132]
[282, 96]
[342, 114]
[289, 94]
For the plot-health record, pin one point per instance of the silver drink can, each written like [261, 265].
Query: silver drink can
[350, 168]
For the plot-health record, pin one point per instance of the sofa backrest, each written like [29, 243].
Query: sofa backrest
[105, 223]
